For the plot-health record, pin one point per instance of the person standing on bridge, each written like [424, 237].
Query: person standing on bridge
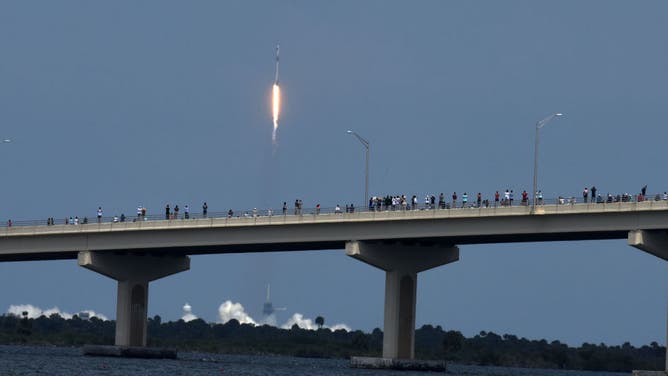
[205, 209]
[139, 211]
[593, 193]
[186, 211]
[643, 190]
[176, 212]
[167, 211]
[454, 200]
[496, 199]
[512, 197]
[465, 199]
[585, 195]
[285, 208]
[99, 214]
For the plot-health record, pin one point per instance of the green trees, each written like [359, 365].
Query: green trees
[430, 343]
[453, 342]
[320, 321]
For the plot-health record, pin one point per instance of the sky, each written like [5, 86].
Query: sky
[125, 103]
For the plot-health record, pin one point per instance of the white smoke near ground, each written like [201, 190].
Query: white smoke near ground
[230, 310]
[188, 313]
[226, 312]
[301, 322]
[35, 312]
[269, 320]
[340, 327]
[309, 324]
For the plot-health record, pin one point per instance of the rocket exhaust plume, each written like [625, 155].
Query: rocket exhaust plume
[276, 99]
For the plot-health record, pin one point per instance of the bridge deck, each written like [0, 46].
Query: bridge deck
[331, 231]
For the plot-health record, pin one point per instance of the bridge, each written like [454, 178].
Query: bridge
[400, 242]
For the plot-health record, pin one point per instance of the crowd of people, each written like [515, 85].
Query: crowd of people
[388, 202]
[506, 198]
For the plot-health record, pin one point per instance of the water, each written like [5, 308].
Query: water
[56, 361]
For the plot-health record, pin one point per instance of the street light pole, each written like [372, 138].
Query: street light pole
[539, 124]
[365, 143]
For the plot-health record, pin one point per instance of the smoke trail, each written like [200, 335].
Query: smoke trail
[35, 312]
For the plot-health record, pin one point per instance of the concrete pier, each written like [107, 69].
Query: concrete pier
[654, 243]
[133, 273]
[402, 261]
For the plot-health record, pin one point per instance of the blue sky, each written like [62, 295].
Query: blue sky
[127, 103]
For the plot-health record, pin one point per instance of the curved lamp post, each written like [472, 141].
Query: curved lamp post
[539, 124]
[365, 143]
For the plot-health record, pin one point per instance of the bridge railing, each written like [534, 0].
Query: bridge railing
[557, 204]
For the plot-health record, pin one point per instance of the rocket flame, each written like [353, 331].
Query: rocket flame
[276, 104]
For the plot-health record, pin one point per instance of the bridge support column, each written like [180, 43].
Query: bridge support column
[133, 273]
[654, 243]
[402, 262]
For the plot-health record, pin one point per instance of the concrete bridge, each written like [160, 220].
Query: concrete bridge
[402, 243]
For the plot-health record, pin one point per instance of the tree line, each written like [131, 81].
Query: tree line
[485, 348]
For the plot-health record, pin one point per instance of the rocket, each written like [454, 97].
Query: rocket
[277, 58]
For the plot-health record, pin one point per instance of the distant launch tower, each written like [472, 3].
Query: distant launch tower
[268, 308]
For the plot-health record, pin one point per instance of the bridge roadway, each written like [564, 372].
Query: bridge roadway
[332, 231]
[403, 243]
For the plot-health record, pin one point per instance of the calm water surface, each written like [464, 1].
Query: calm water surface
[35, 360]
